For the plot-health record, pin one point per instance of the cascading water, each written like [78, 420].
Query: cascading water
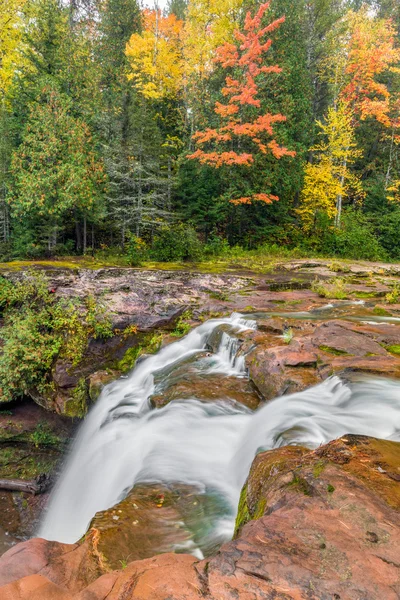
[210, 445]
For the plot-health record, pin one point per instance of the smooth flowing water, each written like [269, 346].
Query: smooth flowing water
[209, 445]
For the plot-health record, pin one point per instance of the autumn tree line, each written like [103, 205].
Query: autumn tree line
[213, 122]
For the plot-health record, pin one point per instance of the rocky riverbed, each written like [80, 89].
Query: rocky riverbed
[309, 522]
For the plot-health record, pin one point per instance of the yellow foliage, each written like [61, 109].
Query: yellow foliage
[394, 191]
[10, 38]
[329, 176]
[156, 56]
[209, 24]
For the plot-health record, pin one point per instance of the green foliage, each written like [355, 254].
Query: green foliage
[55, 170]
[182, 326]
[39, 328]
[288, 335]
[136, 250]
[393, 296]
[84, 158]
[43, 436]
[176, 243]
[334, 288]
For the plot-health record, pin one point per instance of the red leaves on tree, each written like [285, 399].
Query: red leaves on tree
[246, 57]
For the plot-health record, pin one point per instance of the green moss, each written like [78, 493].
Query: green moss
[77, 405]
[334, 351]
[381, 312]
[365, 294]
[301, 484]
[26, 462]
[395, 349]
[260, 509]
[219, 295]
[129, 359]
[330, 488]
[319, 468]
[147, 344]
[243, 514]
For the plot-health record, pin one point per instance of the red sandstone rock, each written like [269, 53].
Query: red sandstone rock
[320, 525]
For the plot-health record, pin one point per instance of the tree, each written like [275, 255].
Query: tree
[328, 178]
[156, 56]
[10, 35]
[236, 140]
[56, 171]
[209, 24]
[371, 52]
[177, 8]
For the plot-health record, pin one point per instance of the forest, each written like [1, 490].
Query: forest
[202, 128]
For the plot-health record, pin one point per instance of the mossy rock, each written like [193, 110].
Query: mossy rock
[278, 474]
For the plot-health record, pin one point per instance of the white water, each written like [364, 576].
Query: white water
[123, 441]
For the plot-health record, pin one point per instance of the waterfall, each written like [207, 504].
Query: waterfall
[210, 445]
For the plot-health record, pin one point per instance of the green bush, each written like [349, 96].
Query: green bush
[135, 250]
[39, 328]
[356, 239]
[176, 243]
[216, 246]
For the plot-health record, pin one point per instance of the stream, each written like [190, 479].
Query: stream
[209, 445]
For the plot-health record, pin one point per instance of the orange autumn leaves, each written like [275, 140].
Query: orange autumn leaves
[246, 59]
[161, 69]
[371, 52]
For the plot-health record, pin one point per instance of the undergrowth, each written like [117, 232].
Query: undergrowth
[39, 328]
[333, 289]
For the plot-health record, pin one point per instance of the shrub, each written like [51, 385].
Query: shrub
[333, 289]
[177, 242]
[216, 246]
[39, 328]
[356, 239]
[393, 296]
[136, 250]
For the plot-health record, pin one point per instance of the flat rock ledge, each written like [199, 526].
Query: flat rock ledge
[311, 525]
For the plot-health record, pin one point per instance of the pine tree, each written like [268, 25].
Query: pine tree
[56, 171]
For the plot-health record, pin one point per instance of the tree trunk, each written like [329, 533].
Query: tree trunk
[339, 199]
[84, 235]
[35, 486]
[78, 235]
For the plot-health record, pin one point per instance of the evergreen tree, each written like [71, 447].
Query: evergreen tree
[56, 172]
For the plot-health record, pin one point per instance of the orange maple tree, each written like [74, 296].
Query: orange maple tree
[245, 59]
[371, 53]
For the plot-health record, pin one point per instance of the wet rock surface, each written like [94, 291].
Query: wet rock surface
[152, 519]
[311, 526]
[210, 389]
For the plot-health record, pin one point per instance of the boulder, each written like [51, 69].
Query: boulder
[209, 389]
[282, 369]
